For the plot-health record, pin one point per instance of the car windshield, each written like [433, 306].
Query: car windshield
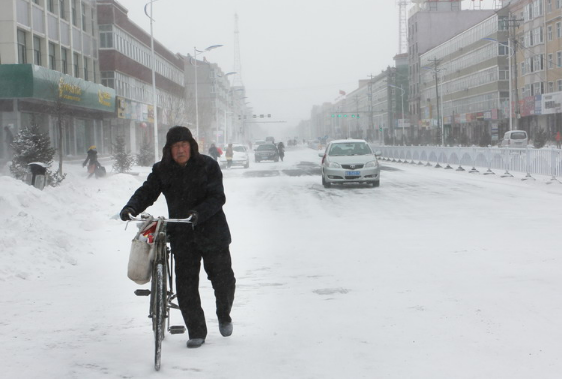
[518, 135]
[349, 148]
[267, 146]
[240, 149]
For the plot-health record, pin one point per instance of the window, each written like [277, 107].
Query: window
[537, 88]
[84, 17]
[558, 4]
[52, 59]
[51, 6]
[523, 68]
[558, 29]
[62, 11]
[76, 66]
[550, 86]
[73, 11]
[559, 82]
[37, 50]
[559, 59]
[107, 79]
[64, 60]
[549, 32]
[85, 68]
[106, 36]
[22, 47]
[550, 62]
[549, 5]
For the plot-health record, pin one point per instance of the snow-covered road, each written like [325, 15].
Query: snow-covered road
[436, 274]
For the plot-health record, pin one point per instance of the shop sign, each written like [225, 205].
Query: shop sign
[551, 103]
[133, 110]
[488, 115]
[36, 82]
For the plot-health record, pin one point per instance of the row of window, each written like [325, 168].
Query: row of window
[76, 8]
[112, 37]
[78, 61]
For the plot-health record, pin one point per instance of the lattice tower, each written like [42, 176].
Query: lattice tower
[237, 81]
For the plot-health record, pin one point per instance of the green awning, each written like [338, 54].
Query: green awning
[36, 82]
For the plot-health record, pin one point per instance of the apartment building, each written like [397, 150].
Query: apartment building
[49, 72]
[537, 41]
[465, 88]
[125, 57]
[431, 23]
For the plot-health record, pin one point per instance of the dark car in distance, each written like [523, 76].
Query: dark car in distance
[266, 152]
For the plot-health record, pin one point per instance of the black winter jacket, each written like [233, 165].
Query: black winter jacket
[197, 186]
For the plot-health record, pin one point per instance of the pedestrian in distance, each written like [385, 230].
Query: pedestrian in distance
[229, 155]
[192, 185]
[281, 149]
[214, 152]
[8, 139]
[92, 161]
[558, 139]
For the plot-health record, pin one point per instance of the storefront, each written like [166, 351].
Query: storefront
[59, 104]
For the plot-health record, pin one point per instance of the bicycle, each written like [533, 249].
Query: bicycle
[162, 291]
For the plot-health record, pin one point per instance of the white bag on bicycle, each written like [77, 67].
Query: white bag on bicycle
[140, 257]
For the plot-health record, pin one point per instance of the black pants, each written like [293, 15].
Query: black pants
[218, 266]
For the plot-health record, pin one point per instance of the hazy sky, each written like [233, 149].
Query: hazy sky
[294, 53]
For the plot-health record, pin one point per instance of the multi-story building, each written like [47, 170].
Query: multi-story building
[430, 23]
[49, 73]
[537, 40]
[465, 89]
[126, 65]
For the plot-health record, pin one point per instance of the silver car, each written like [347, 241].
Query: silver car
[349, 161]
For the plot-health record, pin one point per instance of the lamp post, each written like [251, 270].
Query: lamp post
[511, 51]
[154, 96]
[402, 113]
[195, 51]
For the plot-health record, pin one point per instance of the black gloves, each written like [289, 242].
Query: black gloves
[194, 217]
[125, 213]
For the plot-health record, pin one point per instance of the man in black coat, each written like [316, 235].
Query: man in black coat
[192, 185]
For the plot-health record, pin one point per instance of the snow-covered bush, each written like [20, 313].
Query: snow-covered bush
[123, 159]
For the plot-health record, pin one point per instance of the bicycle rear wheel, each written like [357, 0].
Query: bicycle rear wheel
[159, 312]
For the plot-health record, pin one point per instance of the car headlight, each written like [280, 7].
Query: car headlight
[372, 164]
[334, 165]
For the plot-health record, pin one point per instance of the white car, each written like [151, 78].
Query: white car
[240, 158]
[349, 161]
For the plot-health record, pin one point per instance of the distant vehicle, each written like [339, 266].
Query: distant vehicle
[266, 152]
[270, 139]
[515, 138]
[349, 161]
[240, 157]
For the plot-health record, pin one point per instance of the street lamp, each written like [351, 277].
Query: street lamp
[511, 52]
[401, 89]
[439, 100]
[195, 51]
[154, 96]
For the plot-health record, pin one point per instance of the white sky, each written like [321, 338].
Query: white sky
[294, 53]
[435, 274]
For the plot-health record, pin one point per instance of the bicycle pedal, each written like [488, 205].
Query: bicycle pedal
[177, 329]
[142, 292]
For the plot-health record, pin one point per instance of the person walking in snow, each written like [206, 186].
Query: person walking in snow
[91, 161]
[193, 187]
[214, 152]
[281, 149]
[229, 154]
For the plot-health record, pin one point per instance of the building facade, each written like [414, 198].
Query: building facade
[49, 73]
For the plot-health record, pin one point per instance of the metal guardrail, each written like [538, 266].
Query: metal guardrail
[526, 160]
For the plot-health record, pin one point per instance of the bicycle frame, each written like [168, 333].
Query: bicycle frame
[162, 284]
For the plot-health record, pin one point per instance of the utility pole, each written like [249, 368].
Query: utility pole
[370, 99]
[436, 70]
[513, 23]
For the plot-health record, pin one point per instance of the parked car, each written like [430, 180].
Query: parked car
[266, 152]
[349, 161]
[515, 138]
[240, 157]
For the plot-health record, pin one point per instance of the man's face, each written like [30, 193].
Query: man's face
[181, 152]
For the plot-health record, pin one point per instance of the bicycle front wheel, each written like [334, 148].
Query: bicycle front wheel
[159, 314]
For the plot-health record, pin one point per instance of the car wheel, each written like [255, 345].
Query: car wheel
[325, 183]
[377, 183]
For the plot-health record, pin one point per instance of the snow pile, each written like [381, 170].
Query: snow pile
[51, 229]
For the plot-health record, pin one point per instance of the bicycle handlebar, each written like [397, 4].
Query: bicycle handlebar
[145, 216]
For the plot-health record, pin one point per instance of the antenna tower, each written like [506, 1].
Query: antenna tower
[403, 26]
[237, 81]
